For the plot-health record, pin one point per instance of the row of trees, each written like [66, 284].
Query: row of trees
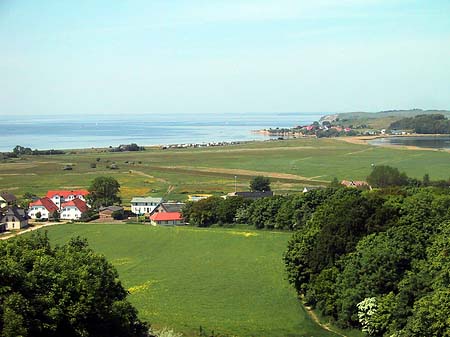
[278, 212]
[21, 150]
[377, 260]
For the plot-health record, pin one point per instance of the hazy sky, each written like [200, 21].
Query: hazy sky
[172, 56]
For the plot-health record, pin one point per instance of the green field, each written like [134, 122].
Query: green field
[175, 173]
[227, 280]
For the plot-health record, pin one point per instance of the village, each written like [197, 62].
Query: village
[73, 205]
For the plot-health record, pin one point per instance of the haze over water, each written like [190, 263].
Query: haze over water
[73, 132]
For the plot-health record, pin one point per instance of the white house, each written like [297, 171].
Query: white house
[45, 206]
[72, 210]
[61, 196]
[144, 205]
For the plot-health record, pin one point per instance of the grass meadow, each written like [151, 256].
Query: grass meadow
[291, 164]
[227, 280]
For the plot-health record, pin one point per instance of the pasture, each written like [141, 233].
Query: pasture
[175, 173]
[227, 280]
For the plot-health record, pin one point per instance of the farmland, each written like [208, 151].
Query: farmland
[291, 164]
[227, 280]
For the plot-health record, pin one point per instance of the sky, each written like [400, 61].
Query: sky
[150, 56]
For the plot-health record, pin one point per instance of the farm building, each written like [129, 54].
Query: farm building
[167, 219]
[106, 213]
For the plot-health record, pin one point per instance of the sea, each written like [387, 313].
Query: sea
[93, 131]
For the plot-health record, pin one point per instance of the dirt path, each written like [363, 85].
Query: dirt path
[314, 317]
[240, 172]
[147, 175]
[30, 229]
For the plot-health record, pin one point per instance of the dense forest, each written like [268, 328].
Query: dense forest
[425, 124]
[377, 260]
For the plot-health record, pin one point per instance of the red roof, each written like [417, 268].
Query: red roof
[78, 203]
[168, 216]
[66, 193]
[47, 203]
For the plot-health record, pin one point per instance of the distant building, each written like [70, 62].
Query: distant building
[167, 219]
[2, 227]
[306, 189]
[73, 209]
[251, 195]
[355, 184]
[169, 207]
[144, 205]
[7, 199]
[45, 206]
[106, 213]
[61, 196]
[14, 218]
[197, 197]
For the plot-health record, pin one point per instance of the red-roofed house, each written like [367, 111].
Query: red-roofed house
[356, 184]
[61, 196]
[167, 219]
[45, 206]
[72, 210]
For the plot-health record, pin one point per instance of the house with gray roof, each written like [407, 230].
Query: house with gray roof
[169, 207]
[7, 199]
[14, 218]
[144, 205]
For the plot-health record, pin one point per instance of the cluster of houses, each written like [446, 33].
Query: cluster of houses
[68, 205]
[195, 145]
[72, 204]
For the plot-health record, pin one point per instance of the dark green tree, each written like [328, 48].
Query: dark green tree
[385, 176]
[104, 192]
[260, 184]
[67, 290]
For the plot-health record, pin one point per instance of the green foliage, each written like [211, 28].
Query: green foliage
[55, 216]
[386, 248]
[385, 176]
[262, 212]
[425, 124]
[104, 191]
[64, 291]
[260, 184]
[118, 215]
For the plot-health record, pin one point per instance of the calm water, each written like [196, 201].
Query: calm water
[66, 132]
[434, 142]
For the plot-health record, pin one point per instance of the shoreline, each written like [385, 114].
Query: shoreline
[358, 140]
[364, 140]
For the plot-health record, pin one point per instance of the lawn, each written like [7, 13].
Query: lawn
[227, 280]
[173, 174]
